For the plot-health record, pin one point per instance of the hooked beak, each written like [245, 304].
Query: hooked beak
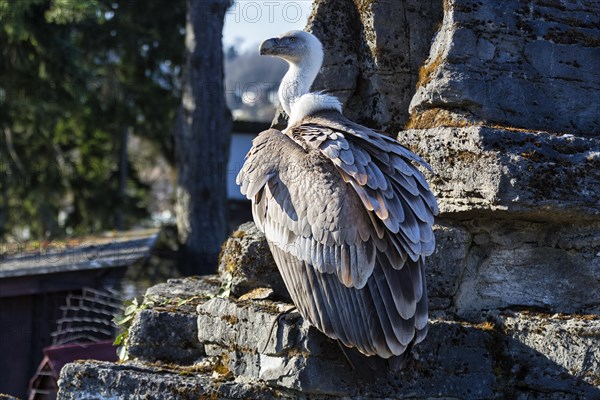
[269, 47]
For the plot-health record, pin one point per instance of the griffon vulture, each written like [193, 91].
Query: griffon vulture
[347, 214]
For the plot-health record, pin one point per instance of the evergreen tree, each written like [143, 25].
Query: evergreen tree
[74, 76]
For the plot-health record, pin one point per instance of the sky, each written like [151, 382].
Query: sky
[248, 22]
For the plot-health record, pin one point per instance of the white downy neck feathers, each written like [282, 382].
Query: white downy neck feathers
[304, 54]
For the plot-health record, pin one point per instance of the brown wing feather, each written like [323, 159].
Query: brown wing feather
[362, 318]
[347, 229]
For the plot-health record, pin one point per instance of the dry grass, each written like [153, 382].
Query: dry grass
[437, 117]
[486, 326]
[426, 72]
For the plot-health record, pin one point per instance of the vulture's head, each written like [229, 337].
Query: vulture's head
[295, 47]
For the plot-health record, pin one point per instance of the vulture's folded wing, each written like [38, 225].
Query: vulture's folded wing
[382, 173]
[304, 207]
[345, 238]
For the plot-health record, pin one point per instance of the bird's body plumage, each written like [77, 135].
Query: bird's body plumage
[348, 217]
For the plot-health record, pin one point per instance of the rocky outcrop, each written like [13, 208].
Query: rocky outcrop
[520, 263]
[171, 304]
[246, 258]
[265, 341]
[525, 203]
[259, 348]
[137, 381]
[530, 175]
[375, 72]
[520, 211]
[190, 339]
[527, 64]
[373, 52]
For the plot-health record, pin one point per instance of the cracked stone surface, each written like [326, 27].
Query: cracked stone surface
[246, 256]
[251, 349]
[570, 341]
[166, 336]
[533, 175]
[517, 263]
[261, 342]
[529, 64]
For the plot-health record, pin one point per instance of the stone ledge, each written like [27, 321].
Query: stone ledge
[297, 357]
[166, 329]
[457, 359]
[137, 381]
[102, 380]
[570, 341]
[494, 172]
[260, 342]
[515, 354]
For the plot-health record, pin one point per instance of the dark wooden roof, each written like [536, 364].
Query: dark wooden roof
[92, 253]
[66, 265]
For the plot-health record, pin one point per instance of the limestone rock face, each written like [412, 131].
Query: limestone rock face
[530, 175]
[394, 56]
[102, 380]
[568, 341]
[263, 343]
[139, 381]
[529, 64]
[166, 330]
[150, 341]
[446, 266]
[373, 52]
[246, 258]
[264, 349]
[516, 263]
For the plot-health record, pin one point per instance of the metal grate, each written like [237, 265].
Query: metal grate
[88, 317]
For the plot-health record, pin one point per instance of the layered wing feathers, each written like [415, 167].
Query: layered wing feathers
[382, 174]
[349, 219]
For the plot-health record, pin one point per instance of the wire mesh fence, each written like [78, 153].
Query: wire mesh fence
[88, 317]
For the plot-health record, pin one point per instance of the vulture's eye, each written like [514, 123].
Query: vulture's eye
[293, 39]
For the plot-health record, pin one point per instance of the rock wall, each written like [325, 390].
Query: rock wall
[375, 72]
[189, 343]
[524, 202]
[504, 109]
[373, 52]
[530, 64]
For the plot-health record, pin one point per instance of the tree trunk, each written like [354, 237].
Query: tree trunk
[202, 141]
